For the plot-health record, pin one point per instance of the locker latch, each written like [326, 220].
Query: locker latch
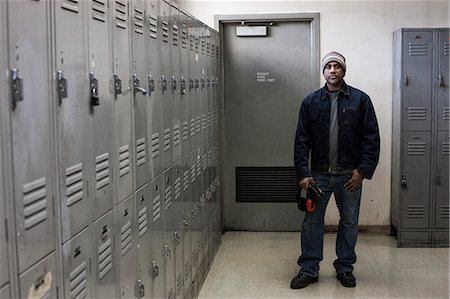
[441, 80]
[208, 83]
[177, 238]
[61, 86]
[202, 82]
[404, 182]
[139, 289]
[174, 83]
[137, 86]
[155, 269]
[439, 173]
[185, 225]
[167, 251]
[117, 85]
[182, 85]
[163, 83]
[191, 84]
[93, 83]
[196, 83]
[151, 84]
[406, 80]
[16, 88]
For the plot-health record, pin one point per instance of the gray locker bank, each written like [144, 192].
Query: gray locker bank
[110, 161]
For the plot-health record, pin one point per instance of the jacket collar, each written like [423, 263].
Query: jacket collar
[324, 91]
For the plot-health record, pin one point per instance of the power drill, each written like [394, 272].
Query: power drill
[309, 204]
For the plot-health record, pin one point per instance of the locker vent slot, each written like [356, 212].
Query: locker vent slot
[176, 135]
[156, 208]
[155, 145]
[165, 31]
[153, 26]
[445, 211]
[192, 127]
[208, 47]
[99, 10]
[186, 180]
[78, 283]
[415, 211]
[191, 43]
[217, 53]
[193, 172]
[213, 50]
[202, 46]
[187, 271]
[204, 122]
[175, 35]
[446, 148]
[138, 20]
[140, 151]
[177, 188]
[125, 238]
[446, 113]
[124, 160]
[70, 5]
[417, 113]
[185, 131]
[446, 49]
[416, 148]
[168, 197]
[266, 184]
[179, 284]
[208, 119]
[197, 124]
[74, 184]
[184, 36]
[121, 14]
[418, 49]
[199, 167]
[104, 258]
[197, 43]
[35, 203]
[166, 140]
[205, 162]
[102, 171]
[143, 227]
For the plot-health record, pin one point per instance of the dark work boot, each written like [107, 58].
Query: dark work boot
[347, 279]
[301, 281]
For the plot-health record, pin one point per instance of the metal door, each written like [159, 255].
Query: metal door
[417, 80]
[193, 82]
[166, 83]
[125, 236]
[31, 128]
[123, 109]
[144, 253]
[184, 87]
[105, 257]
[178, 227]
[157, 237]
[203, 84]
[415, 180]
[77, 254]
[40, 281]
[265, 78]
[443, 77]
[187, 233]
[176, 84]
[442, 210]
[155, 100]
[196, 193]
[101, 101]
[170, 224]
[140, 91]
[72, 115]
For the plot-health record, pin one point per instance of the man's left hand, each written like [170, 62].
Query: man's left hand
[355, 182]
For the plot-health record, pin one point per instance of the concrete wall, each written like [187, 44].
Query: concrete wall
[362, 32]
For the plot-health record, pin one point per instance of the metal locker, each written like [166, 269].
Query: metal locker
[170, 229]
[72, 115]
[76, 255]
[443, 104]
[29, 71]
[416, 81]
[176, 83]
[196, 193]
[122, 86]
[192, 81]
[166, 82]
[157, 238]
[105, 257]
[209, 71]
[126, 249]
[40, 280]
[184, 87]
[187, 233]
[5, 292]
[442, 208]
[155, 101]
[144, 254]
[178, 227]
[197, 86]
[101, 102]
[415, 178]
[140, 91]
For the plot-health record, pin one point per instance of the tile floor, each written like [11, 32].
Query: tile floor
[262, 264]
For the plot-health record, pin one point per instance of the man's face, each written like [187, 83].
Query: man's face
[333, 73]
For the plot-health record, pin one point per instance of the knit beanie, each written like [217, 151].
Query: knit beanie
[334, 56]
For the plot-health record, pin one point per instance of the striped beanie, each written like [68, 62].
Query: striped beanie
[334, 56]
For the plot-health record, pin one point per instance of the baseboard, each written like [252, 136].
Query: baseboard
[364, 229]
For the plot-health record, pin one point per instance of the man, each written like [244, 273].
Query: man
[337, 124]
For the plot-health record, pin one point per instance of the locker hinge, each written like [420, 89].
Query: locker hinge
[93, 84]
[87, 188]
[16, 88]
[61, 82]
[90, 265]
[53, 206]
[6, 231]
[139, 289]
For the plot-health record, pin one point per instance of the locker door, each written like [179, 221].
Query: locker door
[125, 236]
[157, 237]
[203, 85]
[72, 115]
[165, 62]
[442, 181]
[101, 101]
[197, 85]
[170, 224]
[40, 280]
[77, 273]
[208, 68]
[192, 83]
[184, 88]
[123, 109]
[144, 253]
[196, 193]
[31, 129]
[140, 91]
[187, 233]
[415, 180]
[175, 41]
[105, 257]
[443, 105]
[178, 228]
[417, 80]
[155, 101]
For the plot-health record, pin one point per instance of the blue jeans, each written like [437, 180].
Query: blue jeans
[348, 204]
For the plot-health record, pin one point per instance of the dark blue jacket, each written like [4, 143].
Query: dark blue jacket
[358, 140]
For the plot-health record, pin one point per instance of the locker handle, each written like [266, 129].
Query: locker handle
[182, 85]
[191, 84]
[196, 83]
[16, 88]
[155, 269]
[117, 85]
[438, 176]
[174, 83]
[163, 83]
[406, 80]
[202, 81]
[151, 85]
[404, 182]
[93, 83]
[61, 82]
[77, 251]
[177, 238]
[137, 86]
[441, 80]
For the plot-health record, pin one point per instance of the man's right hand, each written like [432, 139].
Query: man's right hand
[304, 183]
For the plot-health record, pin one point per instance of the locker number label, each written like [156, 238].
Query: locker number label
[264, 77]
